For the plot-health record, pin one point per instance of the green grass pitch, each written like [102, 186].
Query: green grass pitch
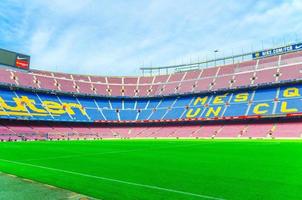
[162, 169]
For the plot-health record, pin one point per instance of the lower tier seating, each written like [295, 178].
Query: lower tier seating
[27, 131]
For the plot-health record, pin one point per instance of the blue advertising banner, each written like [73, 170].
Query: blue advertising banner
[276, 51]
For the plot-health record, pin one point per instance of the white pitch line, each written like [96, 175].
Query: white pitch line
[116, 180]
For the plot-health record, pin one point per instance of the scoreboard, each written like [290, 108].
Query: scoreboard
[14, 59]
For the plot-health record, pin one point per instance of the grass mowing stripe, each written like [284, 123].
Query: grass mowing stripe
[78, 156]
[104, 153]
[115, 180]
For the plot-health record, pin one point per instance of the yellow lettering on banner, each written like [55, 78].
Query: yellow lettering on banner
[33, 109]
[53, 107]
[211, 110]
[201, 100]
[242, 97]
[258, 108]
[291, 92]
[69, 108]
[193, 115]
[219, 99]
[31, 105]
[19, 106]
[17, 113]
[285, 109]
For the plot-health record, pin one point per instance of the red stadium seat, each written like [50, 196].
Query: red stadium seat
[266, 76]
[46, 83]
[222, 82]
[290, 72]
[6, 76]
[66, 85]
[258, 130]
[26, 79]
[243, 79]
[203, 84]
[84, 87]
[231, 131]
[268, 62]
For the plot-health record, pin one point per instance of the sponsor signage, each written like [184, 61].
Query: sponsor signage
[13, 59]
[22, 61]
[276, 51]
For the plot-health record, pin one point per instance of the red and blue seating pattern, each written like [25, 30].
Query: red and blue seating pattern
[264, 88]
[265, 102]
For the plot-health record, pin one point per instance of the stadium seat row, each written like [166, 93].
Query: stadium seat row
[263, 71]
[277, 101]
[56, 132]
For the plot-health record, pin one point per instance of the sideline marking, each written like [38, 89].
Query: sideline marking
[115, 180]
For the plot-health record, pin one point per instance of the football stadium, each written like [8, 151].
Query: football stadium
[227, 128]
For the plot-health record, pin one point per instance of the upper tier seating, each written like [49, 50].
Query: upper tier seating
[266, 70]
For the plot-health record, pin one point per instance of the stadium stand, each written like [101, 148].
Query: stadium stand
[262, 88]
[275, 69]
[262, 102]
[28, 131]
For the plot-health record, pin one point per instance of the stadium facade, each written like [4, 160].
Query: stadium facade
[255, 98]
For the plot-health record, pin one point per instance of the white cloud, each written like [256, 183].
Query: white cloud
[117, 37]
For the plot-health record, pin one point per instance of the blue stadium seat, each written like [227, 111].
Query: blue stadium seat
[268, 108]
[116, 103]
[292, 106]
[209, 112]
[103, 103]
[144, 114]
[94, 114]
[48, 97]
[128, 114]
[7, 94]
[153, 103]
[223, 98]
[236, 109]
[235, 98]
[298, 92]
[265, 94]
[174, 113]
[158, 114]
[73, 108]
[166, 103]
[129, 104]
[87, 102]
[198, 104]
[110, 114]
[141, 103]
[182, 102]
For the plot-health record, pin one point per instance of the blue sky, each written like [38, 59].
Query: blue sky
[117, 37]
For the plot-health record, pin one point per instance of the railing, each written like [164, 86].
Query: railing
[234, 59]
